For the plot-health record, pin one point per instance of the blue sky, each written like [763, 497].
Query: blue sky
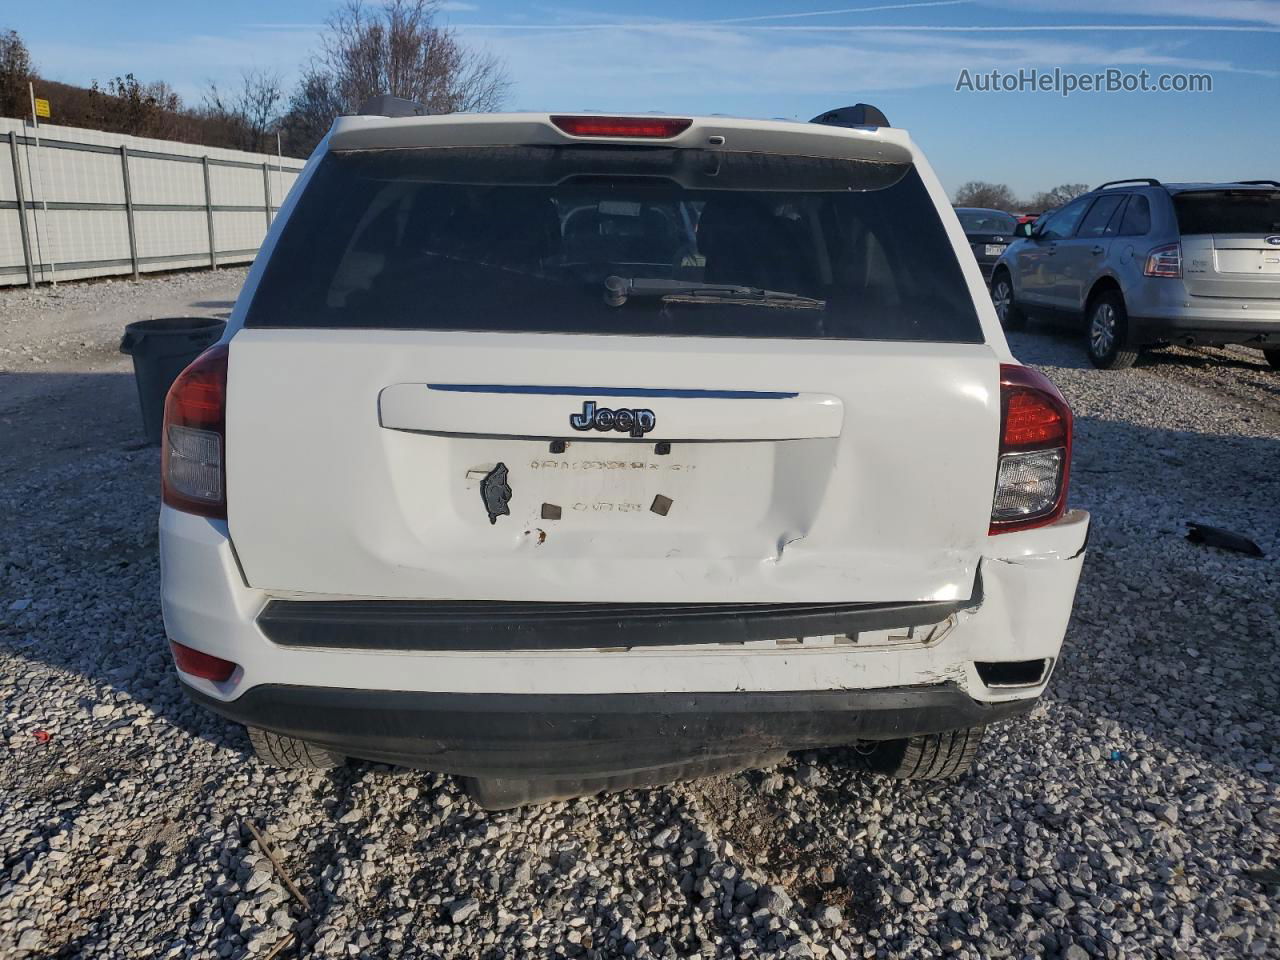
[794, 59]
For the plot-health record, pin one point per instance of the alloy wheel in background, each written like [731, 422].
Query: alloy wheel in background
[1011, 318]
[1108, 333]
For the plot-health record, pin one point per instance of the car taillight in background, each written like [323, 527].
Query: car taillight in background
[1035, 451]
[1165, 261]
[193, 452]
[654, 128]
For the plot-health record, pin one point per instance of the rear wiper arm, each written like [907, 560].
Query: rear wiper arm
[617, 290]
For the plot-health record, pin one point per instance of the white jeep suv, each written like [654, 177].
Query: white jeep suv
[573, 453]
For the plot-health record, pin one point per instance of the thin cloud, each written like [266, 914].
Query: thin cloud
[1249, 11]
[846, 10]
[723, 62]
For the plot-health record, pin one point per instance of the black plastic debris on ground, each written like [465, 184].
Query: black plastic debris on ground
[1222, 539]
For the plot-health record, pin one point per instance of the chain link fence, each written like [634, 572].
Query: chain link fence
[82, 203]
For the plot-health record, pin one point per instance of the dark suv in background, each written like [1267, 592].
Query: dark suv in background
[1139, 263]
[989, 233]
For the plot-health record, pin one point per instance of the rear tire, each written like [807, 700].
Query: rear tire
[277, 750]
[1011, 316]
[930, 756]
[1107, 333]
[1273, 357]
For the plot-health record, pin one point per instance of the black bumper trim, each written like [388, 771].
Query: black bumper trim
[1259, 333]
[542, 735]
[408, 625]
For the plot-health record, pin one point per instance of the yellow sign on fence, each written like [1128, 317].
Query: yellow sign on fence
[42, 108]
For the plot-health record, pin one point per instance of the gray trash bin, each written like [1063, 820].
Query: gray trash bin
[161, 349]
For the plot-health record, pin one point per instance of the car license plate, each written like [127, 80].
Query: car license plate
[994, 249]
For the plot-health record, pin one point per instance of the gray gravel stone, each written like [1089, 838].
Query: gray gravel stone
[774, 899]
[827, 916]
[463, 910]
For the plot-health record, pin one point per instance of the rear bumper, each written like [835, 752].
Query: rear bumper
[595, 735]
[404, 696]
[1201, 329]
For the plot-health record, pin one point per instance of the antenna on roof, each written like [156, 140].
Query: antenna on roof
[859, 115]
[385, 105]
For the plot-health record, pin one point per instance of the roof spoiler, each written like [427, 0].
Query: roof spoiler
[385, 105]
[859, 115]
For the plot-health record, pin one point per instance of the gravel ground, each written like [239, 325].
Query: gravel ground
[1134, 814]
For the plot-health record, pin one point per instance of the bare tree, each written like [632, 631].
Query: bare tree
[249, 111]
[1065, 193]
[312, 108]
[399, 48]
[979, 193]
[16, 72]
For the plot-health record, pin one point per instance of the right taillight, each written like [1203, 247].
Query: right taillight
[1164, 261]
[1035, 451]
[193, 453]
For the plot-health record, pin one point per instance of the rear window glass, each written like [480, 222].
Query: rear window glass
[1228, 211]
[702, 243]
[1137, 217]
[986, 221]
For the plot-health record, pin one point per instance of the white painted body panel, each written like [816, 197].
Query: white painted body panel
[323, 499]
[885, 145]
[1029, 581]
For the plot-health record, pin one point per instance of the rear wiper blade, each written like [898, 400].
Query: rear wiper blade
[617, 290]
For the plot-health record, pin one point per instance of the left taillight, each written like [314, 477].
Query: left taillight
[193, 453]
[1034, 466]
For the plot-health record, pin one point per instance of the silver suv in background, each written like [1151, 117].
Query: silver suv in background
[1139, 263]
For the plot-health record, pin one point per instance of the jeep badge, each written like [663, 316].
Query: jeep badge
[636, 422]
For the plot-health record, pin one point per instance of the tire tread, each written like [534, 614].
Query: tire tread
[279, 750]
[931, 756]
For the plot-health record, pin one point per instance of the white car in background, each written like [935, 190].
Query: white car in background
[570, 453]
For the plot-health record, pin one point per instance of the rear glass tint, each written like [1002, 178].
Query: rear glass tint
[986, 221]
[1228, 211]
[520, 239]
[1137, 217]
